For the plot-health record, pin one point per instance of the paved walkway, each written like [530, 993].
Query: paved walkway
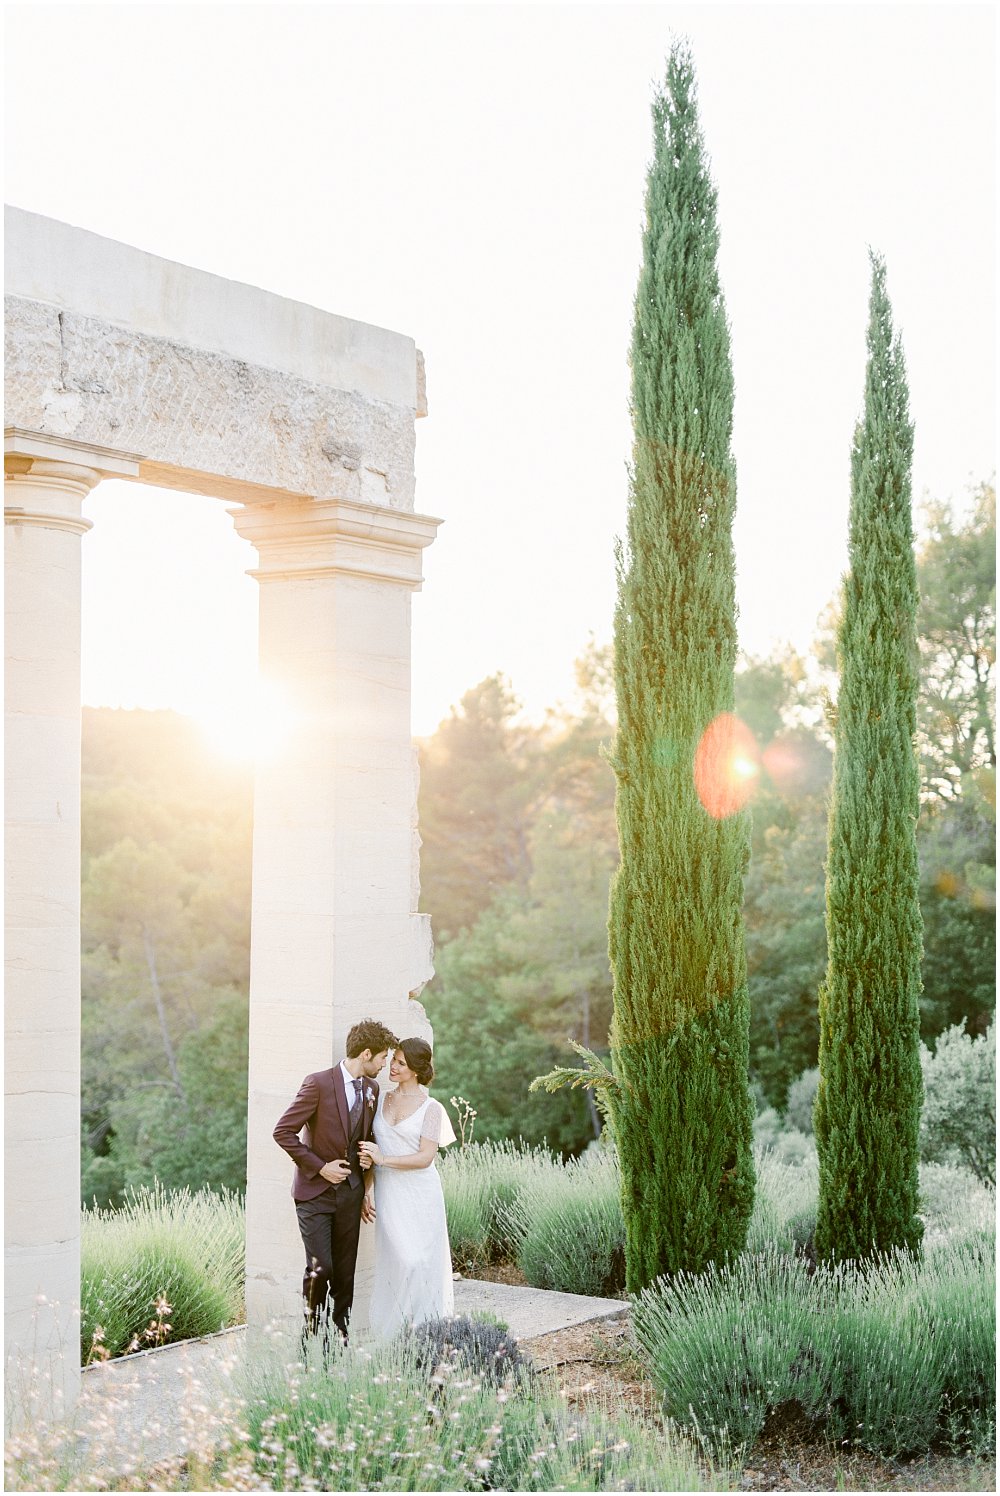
[155, 1401]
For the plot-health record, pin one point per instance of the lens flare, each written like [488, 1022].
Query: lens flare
[726, 766]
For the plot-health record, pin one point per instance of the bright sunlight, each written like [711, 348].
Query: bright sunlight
[253, 725]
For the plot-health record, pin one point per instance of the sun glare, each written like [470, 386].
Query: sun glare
[726, 765]
[253, 727]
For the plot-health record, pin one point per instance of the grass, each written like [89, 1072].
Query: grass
[166, 1267]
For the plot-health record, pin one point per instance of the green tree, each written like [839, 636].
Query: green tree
[956, 734]
[559, 932]
[957, 576]
[868, 1103]
[530, 974]
[200, 1142]
[477, 789]
[786, 948]
[487, 1046]
[959, 1123]
[682, 1112]
[783, 907]
[956, 833]
[957, 845]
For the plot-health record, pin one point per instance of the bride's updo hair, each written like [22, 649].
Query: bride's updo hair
[417, 1054]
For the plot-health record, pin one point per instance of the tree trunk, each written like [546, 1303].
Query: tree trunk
[154, 982]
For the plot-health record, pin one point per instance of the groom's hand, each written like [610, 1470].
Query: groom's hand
[336, 1171]
[368, 1207]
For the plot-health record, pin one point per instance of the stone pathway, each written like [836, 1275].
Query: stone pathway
[154, 1401]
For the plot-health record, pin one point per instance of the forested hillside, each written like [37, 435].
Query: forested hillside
[518, 849]
[166, 954]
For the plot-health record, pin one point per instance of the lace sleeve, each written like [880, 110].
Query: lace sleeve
[437, 1126]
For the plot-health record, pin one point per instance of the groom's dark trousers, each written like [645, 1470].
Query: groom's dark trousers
[329, 1215]
[330, 1226]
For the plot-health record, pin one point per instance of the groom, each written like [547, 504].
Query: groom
[336, 1108]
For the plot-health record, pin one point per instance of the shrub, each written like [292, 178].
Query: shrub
[893, 1355]
[365, 1423]
[787, 1143]
[917, 1354]
[481, 1183]
[801, 1099]
[165, 1267]
[724, 1346]
[882, 1360]
[483, 1347]
[958, 1287]
[958, 1121]
[955, 1206]
[801, 1227]
[468, 1209]
[785, 1194]
[568, 1225]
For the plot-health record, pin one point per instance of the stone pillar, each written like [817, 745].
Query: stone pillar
[46, 481]
[333, 933]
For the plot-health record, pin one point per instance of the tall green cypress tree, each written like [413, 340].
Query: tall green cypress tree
[681, 1110]
[868, 1105]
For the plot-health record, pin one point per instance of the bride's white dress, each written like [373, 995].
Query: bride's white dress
[412, 1257]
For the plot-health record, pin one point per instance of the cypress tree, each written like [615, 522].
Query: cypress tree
[681, 1109]
[868, 1105]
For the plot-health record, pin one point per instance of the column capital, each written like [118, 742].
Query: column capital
[46, 478]
[326, 537]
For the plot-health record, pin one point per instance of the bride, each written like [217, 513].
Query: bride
[412, 1256]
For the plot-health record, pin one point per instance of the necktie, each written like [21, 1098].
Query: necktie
[355, 1111]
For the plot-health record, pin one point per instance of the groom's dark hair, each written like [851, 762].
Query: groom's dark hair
[369, 1034]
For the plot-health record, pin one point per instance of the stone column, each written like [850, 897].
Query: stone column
[333, 934]
[46, 481]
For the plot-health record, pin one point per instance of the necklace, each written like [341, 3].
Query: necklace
[394, 1113]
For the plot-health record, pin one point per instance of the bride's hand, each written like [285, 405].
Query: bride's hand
[372, 1152]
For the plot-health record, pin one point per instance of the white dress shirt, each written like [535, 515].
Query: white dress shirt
[349, 1084]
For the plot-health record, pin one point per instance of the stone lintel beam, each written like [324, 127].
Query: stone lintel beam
[224, 389]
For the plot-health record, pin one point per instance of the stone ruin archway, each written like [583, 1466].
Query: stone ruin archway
[120, 364]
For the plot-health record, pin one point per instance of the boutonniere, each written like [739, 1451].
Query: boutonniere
[369, 1096]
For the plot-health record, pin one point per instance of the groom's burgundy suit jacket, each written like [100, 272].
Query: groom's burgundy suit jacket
[321, 1109]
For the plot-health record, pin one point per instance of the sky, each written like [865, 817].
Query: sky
[473, 176]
